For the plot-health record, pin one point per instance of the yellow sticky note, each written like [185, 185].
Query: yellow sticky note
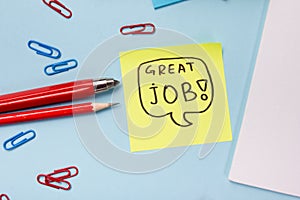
[175, 96]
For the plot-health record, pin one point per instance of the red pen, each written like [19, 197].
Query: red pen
[54, 94]
[54, 112]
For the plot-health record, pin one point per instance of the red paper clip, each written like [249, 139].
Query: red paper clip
[4, 197]
[65, 12]
[64, 173]
[57, 183]
[56, 179]
[138, 29]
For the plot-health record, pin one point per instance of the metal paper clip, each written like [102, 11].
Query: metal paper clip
[65, 12]
[44, 50]
[64, 173]
[138, 29]
[53, 182]
[60, 67]
[57, 178]
[15, 141]
[4, 197]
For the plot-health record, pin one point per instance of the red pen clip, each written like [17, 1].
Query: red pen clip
[57, 183]
[56, 179]
[4, 197]
[146, 28]
[65, 12]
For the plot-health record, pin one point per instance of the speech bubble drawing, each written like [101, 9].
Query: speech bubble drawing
[181, 86]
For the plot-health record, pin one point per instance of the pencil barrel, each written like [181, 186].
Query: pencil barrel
[46, 113]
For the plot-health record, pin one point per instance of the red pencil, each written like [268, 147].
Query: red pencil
[45, 113]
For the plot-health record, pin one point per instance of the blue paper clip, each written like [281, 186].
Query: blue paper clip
[44, 50]
[14, 142]
[60, 67]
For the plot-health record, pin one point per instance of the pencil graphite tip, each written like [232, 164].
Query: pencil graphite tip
[113, 104]
[101, 106]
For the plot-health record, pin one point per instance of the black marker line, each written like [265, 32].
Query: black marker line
[170, 113]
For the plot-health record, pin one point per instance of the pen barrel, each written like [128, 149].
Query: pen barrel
[46, 113]
[46, 95]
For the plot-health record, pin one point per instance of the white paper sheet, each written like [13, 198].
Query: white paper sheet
[267, 154]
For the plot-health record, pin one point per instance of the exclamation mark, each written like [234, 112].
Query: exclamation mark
[202, 84]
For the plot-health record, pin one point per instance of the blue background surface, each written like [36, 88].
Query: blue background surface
[237, 24]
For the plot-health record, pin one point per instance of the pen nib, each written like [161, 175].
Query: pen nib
[116, 82]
